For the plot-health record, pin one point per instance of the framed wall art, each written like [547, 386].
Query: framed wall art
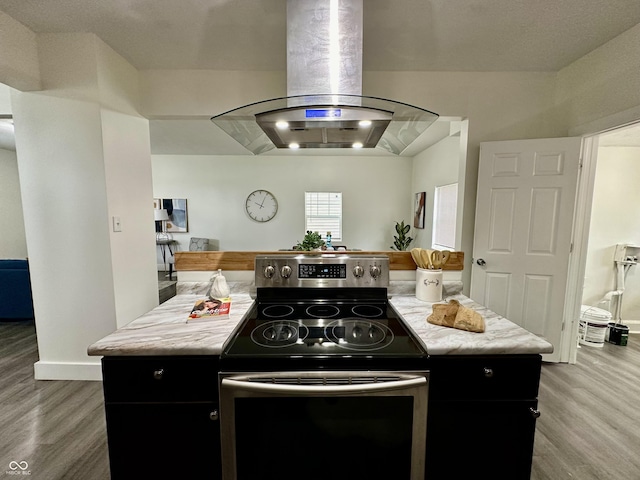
[177, 210]
[418, 210]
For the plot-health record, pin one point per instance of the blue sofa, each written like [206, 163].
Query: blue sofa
[16, 302]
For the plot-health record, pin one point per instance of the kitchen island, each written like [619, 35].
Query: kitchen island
[160, 381]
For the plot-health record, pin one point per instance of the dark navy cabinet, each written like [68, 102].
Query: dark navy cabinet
[162, 417]
[482, 417]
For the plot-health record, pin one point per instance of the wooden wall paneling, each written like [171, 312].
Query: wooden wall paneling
[228, 260]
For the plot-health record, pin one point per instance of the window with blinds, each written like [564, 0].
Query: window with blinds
[444, 216]
[323, 213]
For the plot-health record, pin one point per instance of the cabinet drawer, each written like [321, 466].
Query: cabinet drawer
[160, 379]
[486, 377]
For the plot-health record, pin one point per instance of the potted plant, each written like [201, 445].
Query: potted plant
[311, 241]
[401, 241]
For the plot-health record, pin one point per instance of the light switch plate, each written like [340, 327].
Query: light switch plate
[117, 225]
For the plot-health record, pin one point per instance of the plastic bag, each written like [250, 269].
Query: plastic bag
[219, 287]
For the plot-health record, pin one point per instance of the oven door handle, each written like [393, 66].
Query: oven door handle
[320, 384]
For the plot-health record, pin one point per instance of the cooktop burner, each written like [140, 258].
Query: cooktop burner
[279, 333]
[349, 334]
[322, 311]
[278, 311]
[357, 334]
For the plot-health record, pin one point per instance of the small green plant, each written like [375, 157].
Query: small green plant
[311, 241]
[401, 241]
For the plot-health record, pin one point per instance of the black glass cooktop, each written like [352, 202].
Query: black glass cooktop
[322, 329]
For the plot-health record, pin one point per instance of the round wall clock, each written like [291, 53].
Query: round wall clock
[261, 206]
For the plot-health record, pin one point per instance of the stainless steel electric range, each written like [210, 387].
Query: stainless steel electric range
[322, 368]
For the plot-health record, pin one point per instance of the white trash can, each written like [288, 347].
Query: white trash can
[593, 326]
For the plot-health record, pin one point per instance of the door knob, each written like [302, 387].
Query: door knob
[481, 262]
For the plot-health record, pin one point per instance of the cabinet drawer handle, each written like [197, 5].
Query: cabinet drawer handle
[157, 374]
[488, 372]
[534, 413]
[213, 416]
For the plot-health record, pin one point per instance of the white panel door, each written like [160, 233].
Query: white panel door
[522, 240]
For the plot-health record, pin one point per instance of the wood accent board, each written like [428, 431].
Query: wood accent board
[226, 260]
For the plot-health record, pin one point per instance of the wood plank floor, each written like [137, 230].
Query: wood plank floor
[590, 423]
[57, 427]
[589, 428]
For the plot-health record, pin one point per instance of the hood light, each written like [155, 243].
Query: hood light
[364, 123]
[357, 145]
[282, 124]
[294, 146]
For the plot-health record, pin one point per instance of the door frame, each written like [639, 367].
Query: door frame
[580, 243]
[579, 247]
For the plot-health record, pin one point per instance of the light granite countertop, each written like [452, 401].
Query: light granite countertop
[165, 331]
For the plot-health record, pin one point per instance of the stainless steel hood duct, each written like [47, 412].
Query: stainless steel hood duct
[324, 107]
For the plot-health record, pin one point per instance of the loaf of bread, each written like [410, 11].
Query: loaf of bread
[454, 315]
[444, 313]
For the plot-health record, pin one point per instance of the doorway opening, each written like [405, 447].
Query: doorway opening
[605, 218]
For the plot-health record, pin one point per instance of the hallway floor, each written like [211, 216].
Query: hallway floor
[590, 423]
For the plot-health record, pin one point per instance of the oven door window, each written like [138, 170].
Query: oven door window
[319, 436]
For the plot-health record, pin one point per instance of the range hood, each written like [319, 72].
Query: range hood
[324, 106]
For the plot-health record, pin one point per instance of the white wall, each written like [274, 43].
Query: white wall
[435, 167]
[203, 93]
[614, 219]
[5, 99]
[83, 157]
[126, 153]
[13, 243]
[65, 207]
[375, 196]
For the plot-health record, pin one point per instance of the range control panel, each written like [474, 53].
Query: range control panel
[306, 270]
[322, 270]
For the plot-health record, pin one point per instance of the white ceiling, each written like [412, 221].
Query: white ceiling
[438, 35]
[435, 35]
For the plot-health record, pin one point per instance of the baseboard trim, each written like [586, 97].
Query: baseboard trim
[67, 371]
[634, 325]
